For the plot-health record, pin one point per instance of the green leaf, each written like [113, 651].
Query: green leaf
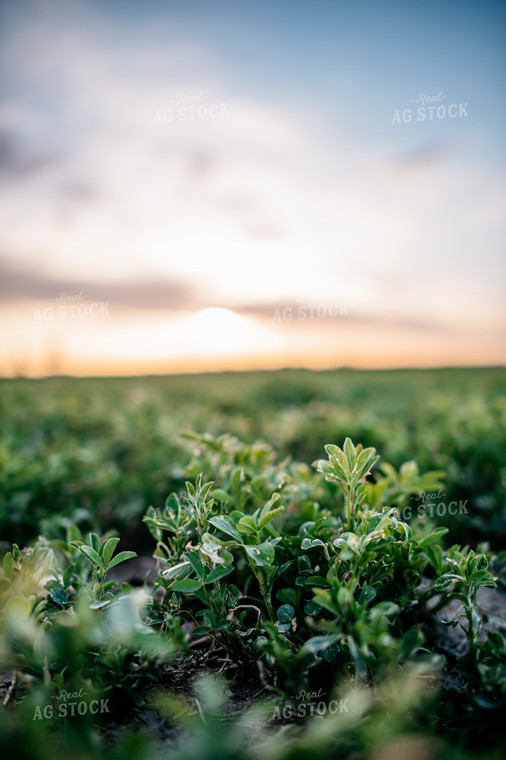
[232, 594]
[350, 453]
[411, 642]
[91, 555]
[247, 525]
[266, 519]
[324, 599]
[220, 495]
[59, 596]
[384, 609]
[312, 608]
[202, 630]
[99, 605]
[338, 460]
[187, 585]
[367, 594]
[236, 477]
[196, 563]
[218, 573]
[7, 564]
[73, 534]
[67, 573]
[121, 557]
[324, 466]
[267, 508]
[303, 563]
[108, 549]
[318, 643]
[177, 571]
[496, 639]
[332, 474]
[317, 580]
[287, 596]
[263, 554]
[444, 583]
[173, 504]
[365, 461]
[285, 613]
[433, 537]
[227, 557]
[221, 625]
[226, 525]
[310, 543]
[329, 653]
[434, 554]
[284, 567]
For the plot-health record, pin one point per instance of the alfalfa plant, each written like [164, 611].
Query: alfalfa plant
[349, 468]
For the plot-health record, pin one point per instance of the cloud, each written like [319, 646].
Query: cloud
[16, 164]
[18, 284]
[327, 313]
[422, 157]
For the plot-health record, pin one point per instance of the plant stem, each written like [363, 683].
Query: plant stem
[350, 506]
[263, 589]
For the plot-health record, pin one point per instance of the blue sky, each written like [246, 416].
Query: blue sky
[376, 53]
[302, 190]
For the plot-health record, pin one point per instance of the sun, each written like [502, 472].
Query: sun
[216, 331]
[209, 338]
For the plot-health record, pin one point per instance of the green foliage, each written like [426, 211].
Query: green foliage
[297, 580]
[349, 469]
[100, 554]
[97, 453]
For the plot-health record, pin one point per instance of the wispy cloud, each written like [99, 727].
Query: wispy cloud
[23, 284]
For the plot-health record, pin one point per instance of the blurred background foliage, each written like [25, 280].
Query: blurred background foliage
[98, 452]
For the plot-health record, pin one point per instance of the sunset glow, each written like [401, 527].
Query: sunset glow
[172, 201]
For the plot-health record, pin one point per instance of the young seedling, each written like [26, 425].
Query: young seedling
[259, 554]
[100, 554]
[348, 468]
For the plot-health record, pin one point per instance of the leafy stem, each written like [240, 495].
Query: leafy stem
[349, 468]
[100, 554]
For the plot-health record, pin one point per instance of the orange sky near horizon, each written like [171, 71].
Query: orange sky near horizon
[216, 339]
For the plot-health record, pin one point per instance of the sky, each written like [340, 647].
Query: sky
[231, 185]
